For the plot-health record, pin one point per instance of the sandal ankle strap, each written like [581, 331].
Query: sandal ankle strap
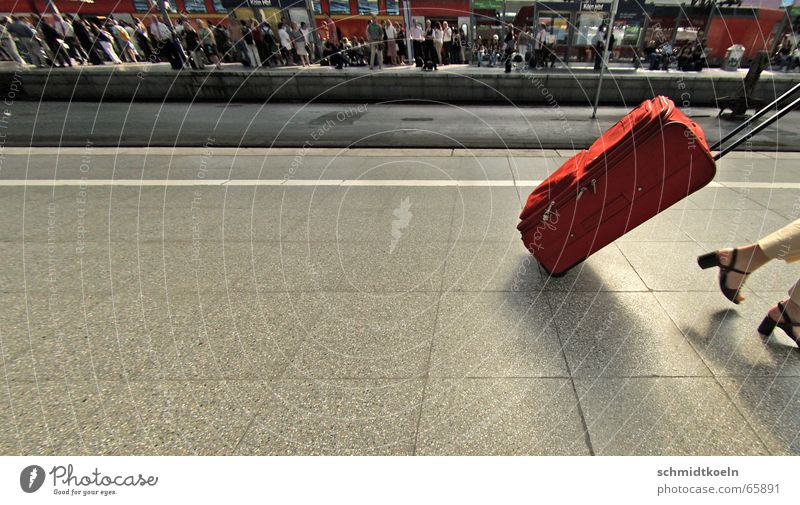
[733, 262]
[785, 315]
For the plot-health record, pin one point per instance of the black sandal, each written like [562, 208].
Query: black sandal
[710, 260]
[768, 325]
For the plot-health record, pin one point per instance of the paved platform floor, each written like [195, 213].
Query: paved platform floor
[375, 302]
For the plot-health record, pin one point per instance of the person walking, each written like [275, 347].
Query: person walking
[8, 43]
[375, 40]
[736, 264]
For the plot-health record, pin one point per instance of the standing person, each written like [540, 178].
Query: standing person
[87, 40]
[193, 46]
[286, 44]
[251, 51]
[67, 33]
[540, 45]
[508, 47]
[223, 38]
[143, 41]
[161, 36]
[417, 42]
[402, 50]
[391, 43]
[29, 39]
[106, 41]
[438, 41]
[124, 42]
[311, 50]
[261, 43]
[331, 34]
[375, 41]
[8, 43]
[447, 43]
[56, 44]
[523, 40]
[209, 43]
[599, 45]
[455, 48]
[737, 263]
[430, 46]
[299, 41]
[269, 42]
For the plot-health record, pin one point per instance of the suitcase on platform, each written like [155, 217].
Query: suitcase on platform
[652, 158]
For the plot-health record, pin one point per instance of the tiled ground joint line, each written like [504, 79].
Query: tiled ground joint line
[333, 182]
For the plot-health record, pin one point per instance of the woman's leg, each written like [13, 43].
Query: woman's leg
[782, 244]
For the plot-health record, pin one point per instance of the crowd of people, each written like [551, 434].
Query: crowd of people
[533, 48]
[68, 40]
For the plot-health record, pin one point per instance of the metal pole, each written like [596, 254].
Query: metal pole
[312, 20]
[472, 31]
[605, 56]
[677, 25]
[407, 22]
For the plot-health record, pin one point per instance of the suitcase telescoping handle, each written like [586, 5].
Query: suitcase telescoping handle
[781, 112]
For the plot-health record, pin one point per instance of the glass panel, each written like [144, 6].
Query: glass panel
[194, 5]
[367, 6]
[317, 7]
[392, 7]
[218, 7]
[588, 24]
[148, 5]
[339, 6]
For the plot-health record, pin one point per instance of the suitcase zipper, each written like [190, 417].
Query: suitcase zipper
[592, 184]
[666, 109]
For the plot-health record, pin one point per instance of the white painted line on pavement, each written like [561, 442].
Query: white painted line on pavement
[762, 185]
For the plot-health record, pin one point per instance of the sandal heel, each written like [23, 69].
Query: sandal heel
[767, 326]
[708, 260]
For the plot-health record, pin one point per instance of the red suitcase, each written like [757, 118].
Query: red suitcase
[651, 159]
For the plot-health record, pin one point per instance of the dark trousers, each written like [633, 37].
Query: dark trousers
[430, 53]
[448, 48]
[418, 52]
